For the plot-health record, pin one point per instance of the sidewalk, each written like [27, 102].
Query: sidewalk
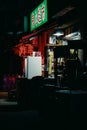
[6, 102]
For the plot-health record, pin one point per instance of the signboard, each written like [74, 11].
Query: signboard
[24, 50]
[39, 16]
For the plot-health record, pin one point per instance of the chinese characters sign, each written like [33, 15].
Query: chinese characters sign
[24, 50]
[39, 16]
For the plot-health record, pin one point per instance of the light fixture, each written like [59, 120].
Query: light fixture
[73, 36]
[20, 32]
[10, 33]
[58, 33]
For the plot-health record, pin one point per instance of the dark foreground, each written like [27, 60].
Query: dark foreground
[49, 117]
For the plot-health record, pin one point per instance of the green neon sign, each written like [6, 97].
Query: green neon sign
[39, 16]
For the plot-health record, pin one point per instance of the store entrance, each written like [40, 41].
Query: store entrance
[69, 64]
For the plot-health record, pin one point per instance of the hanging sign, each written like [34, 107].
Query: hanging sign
[39, 16]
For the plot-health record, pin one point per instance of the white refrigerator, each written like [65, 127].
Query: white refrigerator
[33, 66]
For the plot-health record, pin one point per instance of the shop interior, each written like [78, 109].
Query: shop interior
[66, 56]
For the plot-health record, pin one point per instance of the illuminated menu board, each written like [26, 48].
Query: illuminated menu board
[39, 16]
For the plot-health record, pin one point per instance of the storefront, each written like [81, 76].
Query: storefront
[62, 31]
